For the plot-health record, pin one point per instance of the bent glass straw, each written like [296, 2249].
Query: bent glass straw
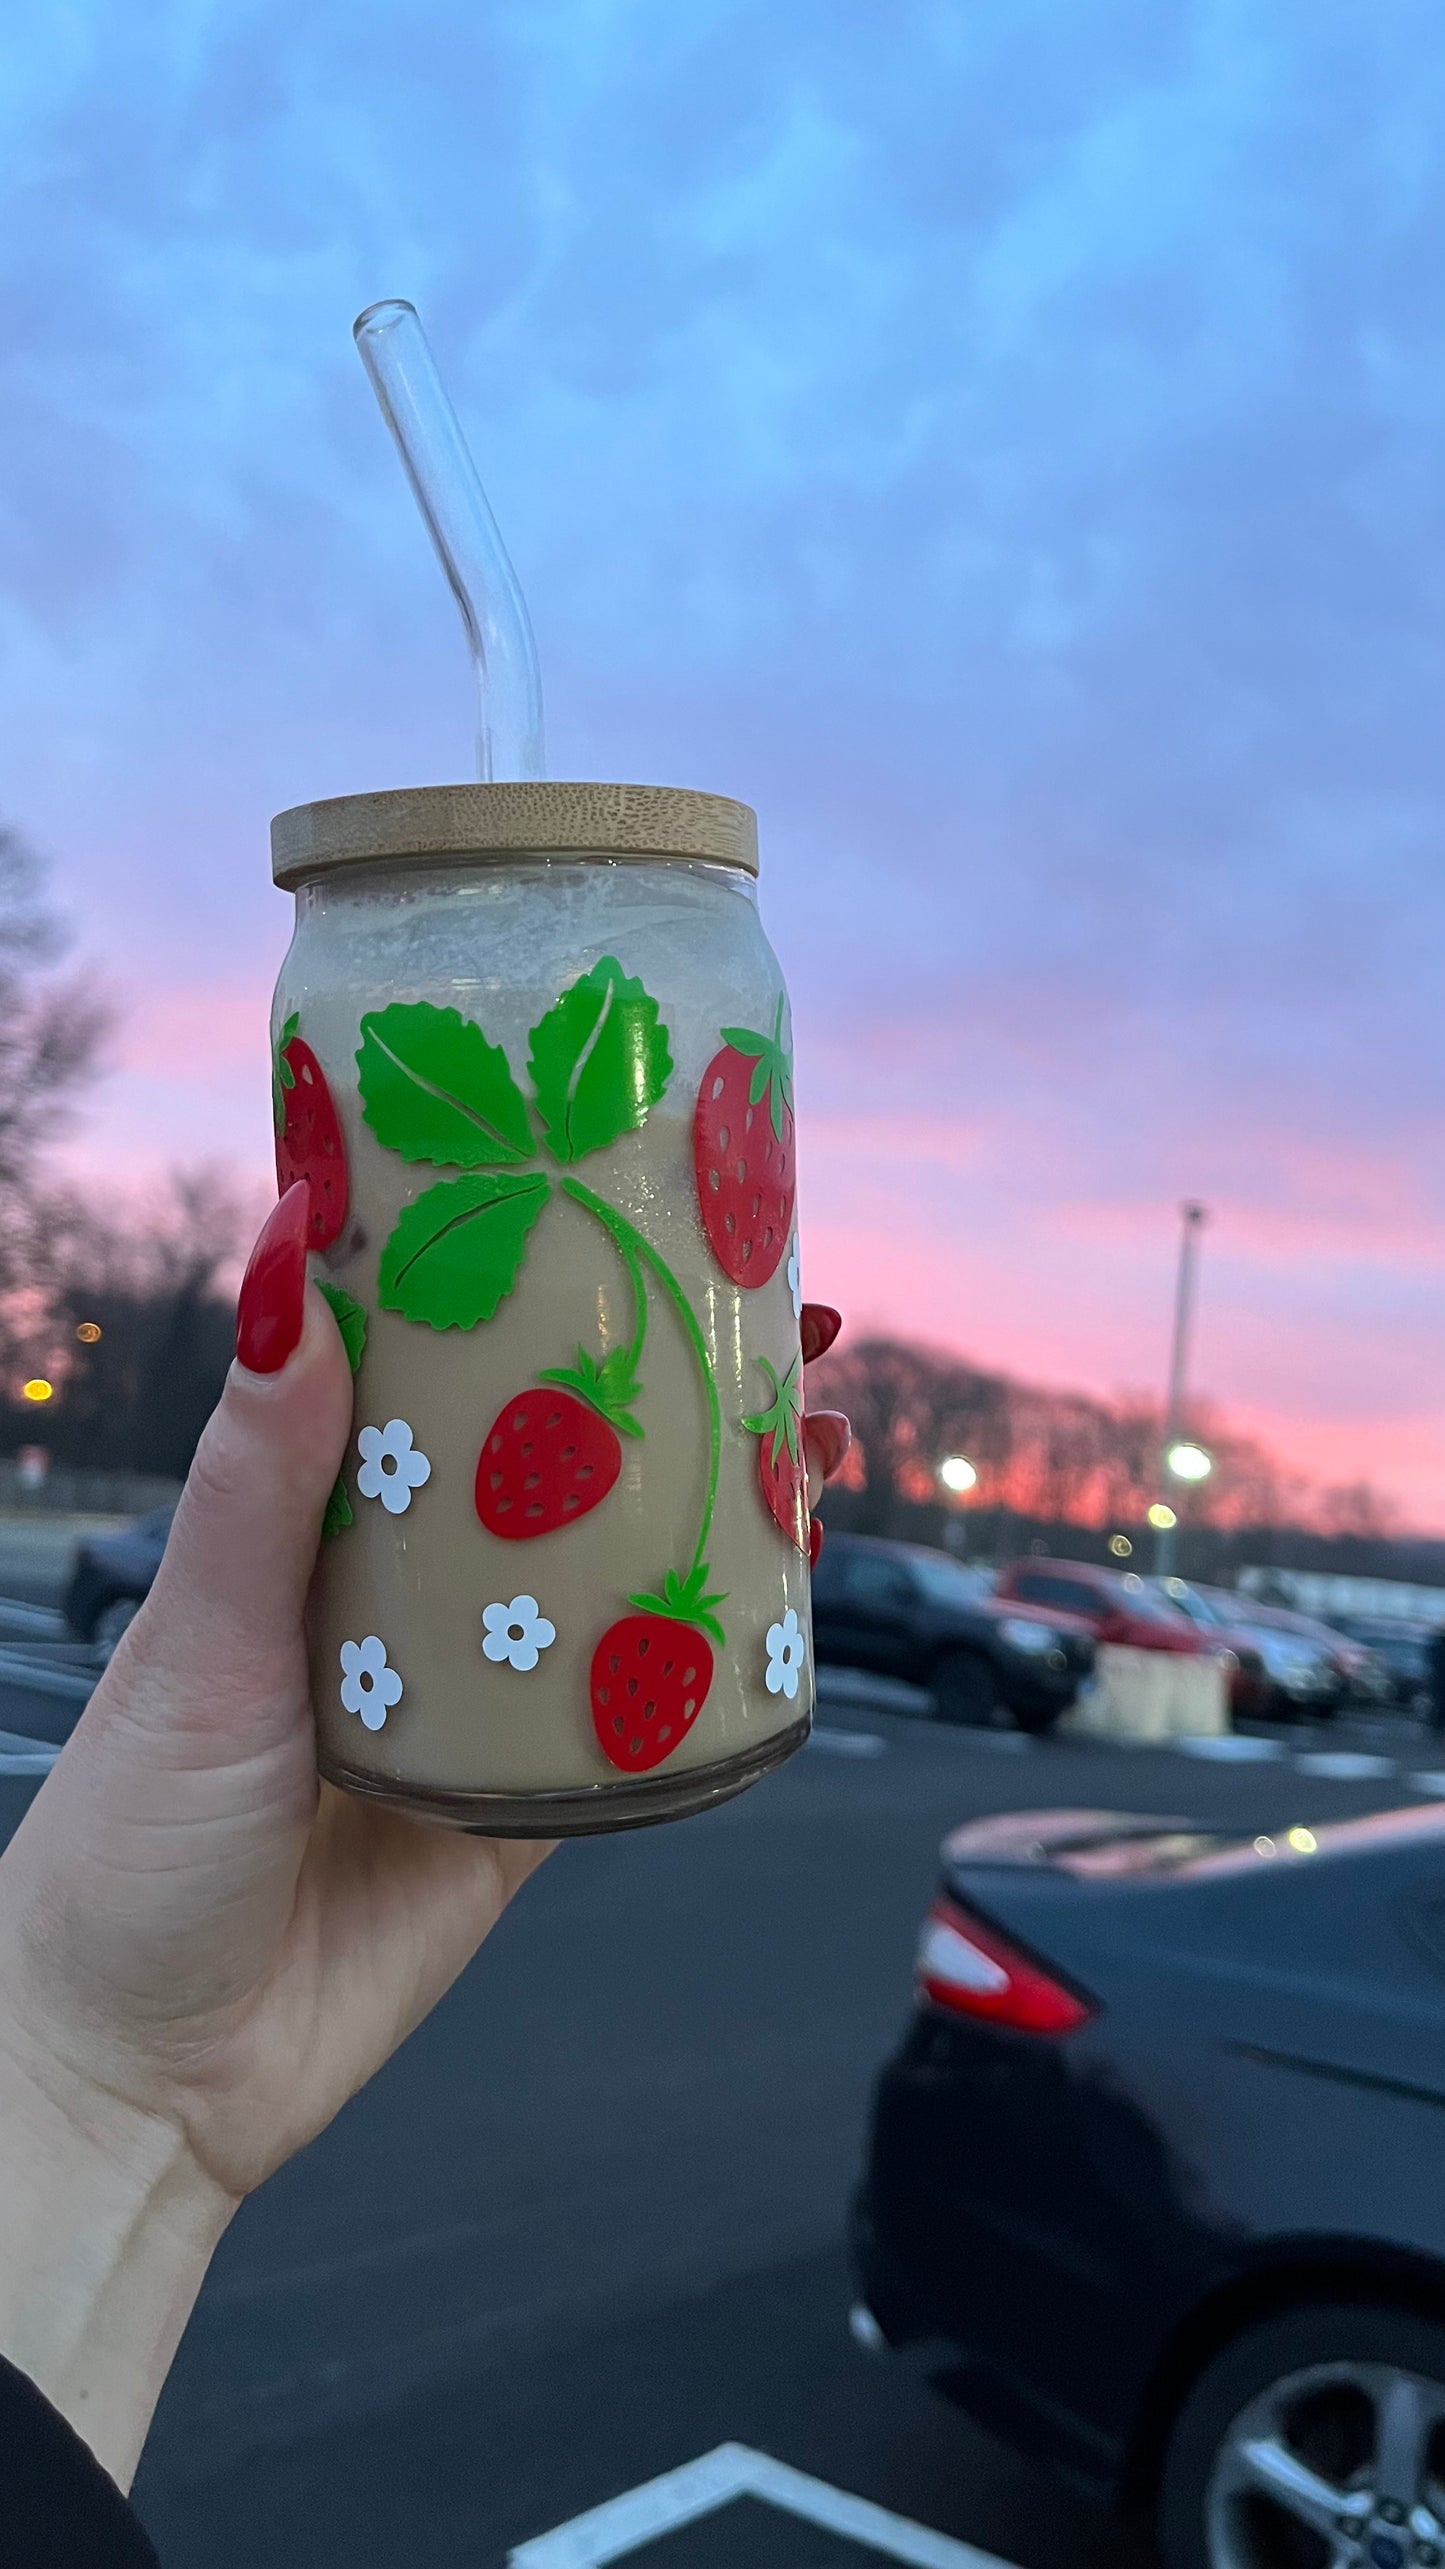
[393, 348]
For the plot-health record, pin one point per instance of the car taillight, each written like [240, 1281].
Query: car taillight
[974, 1971]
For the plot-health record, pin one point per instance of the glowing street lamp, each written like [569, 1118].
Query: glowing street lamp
[1162, 1517]
[1189, 1462]
[38, 1389]
[957, 1474]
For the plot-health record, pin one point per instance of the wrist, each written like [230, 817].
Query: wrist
[107, 2226]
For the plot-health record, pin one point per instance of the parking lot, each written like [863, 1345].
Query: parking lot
[588, 2226]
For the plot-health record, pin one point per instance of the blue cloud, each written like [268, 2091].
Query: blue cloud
[1005, 443]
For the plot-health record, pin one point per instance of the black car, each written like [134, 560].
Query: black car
[1156, 2183]
[112, 1576]
[899, 1610]
[1403, 1646]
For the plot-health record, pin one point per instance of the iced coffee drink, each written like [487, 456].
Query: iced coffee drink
[532, 1054]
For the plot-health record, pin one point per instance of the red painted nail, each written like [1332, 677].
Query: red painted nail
[815, 1542]
[272, 1305]
[820, 1326]
[827, 1437]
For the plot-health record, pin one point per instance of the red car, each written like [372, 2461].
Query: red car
[1119, 1606]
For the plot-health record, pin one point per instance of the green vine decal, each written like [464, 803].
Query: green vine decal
[685, 1600]
[611, 1387]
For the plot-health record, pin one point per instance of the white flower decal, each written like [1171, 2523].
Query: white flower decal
[391, 1465]
[787, 1651]
[368, 1686]
[517, 1632]
[795, 1279]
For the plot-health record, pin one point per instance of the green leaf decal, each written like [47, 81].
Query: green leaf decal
[599, 1061]
[457, 1252]
[783, 1417]
[610, 1387]
[434, 1089]
[772, 1075]
[282, 1075]
[686, 1600]
[350, 1320]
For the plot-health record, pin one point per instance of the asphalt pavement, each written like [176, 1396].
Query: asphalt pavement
[588, 2225]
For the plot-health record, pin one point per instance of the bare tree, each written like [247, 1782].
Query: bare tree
[52, 1028]
[911, 1407]
[141, 1323]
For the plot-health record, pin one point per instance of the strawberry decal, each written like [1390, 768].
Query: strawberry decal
[782, 1473]
[552, 1455]
[308, 1134]
[651, 1672]
[743, 1152]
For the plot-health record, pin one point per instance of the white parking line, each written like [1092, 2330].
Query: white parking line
[1346, 1765]
[847, 1743]
[1434, 1785]
[644, 2515]
[1229, 1747]
[20, 1756]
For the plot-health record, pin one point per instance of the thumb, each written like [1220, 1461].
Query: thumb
[224, 1614]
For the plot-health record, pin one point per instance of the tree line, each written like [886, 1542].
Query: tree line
[1050, 1457]
[128, 1314]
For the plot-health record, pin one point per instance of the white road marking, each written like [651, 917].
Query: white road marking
[847, 1743]
[37, 1676]
[1346, 1765]
[21, 1756]
[1434, 1785]
[643, 2515]
[1229, 1747]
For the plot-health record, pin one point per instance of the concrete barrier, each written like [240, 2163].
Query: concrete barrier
[1152, 1694]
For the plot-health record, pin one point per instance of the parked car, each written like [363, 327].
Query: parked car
[1403, 1649]
[1292, 1673]
[1362, 1678]
[903, 1611]
[111, 1578]
[1153, 2185]
[1116, 1604]
[1120, 1606]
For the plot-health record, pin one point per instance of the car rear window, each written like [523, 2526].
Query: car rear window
[945, 1582]
[1042, 1588]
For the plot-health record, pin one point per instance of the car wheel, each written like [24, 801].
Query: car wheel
[111, 1622]
[1038, 1718]
[1314, 2439]
[965, 1689]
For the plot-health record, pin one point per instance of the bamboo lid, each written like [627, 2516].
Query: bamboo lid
[425, 821]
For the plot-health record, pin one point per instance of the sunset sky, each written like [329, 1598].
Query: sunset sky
[1006, 443]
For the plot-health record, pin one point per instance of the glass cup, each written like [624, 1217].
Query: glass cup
[532, 1053]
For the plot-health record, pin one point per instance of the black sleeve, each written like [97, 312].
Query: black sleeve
[59, 2509]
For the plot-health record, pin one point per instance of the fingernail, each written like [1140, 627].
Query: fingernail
[815, 1542]
[272, 1304]
[828, 1436]
[820, 1326]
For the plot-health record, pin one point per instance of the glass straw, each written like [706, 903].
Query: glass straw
[444, 480]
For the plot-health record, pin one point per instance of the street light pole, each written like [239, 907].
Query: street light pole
[1193, 1218]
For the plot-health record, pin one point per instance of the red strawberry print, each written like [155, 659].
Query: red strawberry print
[548, 1458]
[308, 1135]
[743, 1152]
[782, 1472]
[650, 1678]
